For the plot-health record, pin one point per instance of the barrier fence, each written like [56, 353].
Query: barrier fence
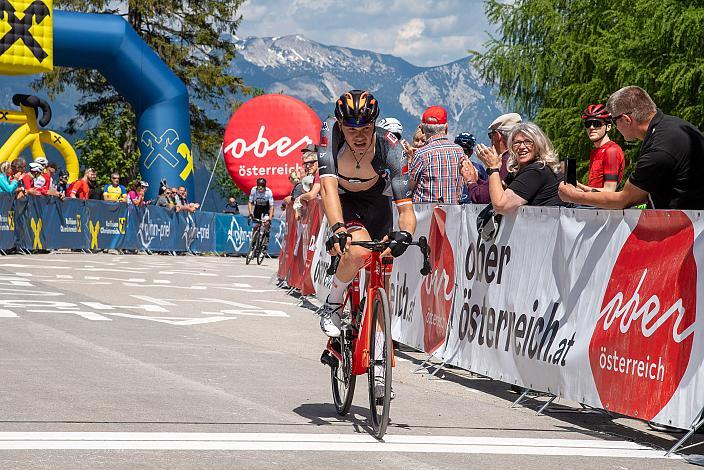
[45, 223]
[599, 307]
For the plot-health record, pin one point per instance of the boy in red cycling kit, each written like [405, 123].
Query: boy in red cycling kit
[606, 160]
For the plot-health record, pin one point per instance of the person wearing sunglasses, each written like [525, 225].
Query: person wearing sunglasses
[114, 191]
[533, 167]
[606, 160]
[670, 166]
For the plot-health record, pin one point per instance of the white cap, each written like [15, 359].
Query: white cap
[42, 161]
[34, 166]
[505, 122]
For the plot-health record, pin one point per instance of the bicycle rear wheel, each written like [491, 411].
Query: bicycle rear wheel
[341, 377]
[252, 247]
[380, 356]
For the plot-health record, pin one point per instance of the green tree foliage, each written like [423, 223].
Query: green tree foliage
[551, 58]
[110, 146]
[191, 36]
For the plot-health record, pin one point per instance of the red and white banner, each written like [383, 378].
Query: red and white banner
[300, 246]
[599, 307]
[264, 139]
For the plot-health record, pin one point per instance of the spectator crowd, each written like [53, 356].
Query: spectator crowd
[519, 165]
[43, 178]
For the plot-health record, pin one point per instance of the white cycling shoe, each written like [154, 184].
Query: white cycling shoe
[380, 389]
[330, 319]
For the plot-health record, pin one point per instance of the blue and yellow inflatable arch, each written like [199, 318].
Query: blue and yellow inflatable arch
[108, 44]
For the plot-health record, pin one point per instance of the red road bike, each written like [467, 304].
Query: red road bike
[365, 345]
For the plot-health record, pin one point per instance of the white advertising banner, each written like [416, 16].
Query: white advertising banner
[321, 263]
[599, 307]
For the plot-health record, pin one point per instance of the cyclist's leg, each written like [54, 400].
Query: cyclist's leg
[351, 262]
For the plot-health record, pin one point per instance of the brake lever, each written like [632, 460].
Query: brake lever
[425, 250]
[335, 260]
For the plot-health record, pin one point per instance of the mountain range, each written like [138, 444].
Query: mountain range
[318, 74]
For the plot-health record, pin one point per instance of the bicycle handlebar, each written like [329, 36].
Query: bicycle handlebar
[35, 103]
[422, 243]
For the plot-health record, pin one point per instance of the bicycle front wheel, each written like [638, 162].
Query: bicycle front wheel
[252, 248]
[380, 360]
[261, 252]
[341, 376]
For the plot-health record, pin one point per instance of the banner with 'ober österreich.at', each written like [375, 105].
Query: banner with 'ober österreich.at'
[598, 307]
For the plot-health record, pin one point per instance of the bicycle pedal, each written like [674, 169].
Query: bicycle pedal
[328, 359]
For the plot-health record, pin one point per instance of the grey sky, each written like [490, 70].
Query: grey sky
[424, 33]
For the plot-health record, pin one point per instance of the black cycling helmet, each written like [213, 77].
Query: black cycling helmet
[357, 108]
[466, 140]
[261, 182]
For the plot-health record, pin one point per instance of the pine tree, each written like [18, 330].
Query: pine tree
[551, 58]
[110, 146]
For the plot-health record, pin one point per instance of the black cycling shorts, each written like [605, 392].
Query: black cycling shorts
[260, 211]
[368, 209]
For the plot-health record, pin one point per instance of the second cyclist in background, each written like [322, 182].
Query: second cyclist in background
[261, 204]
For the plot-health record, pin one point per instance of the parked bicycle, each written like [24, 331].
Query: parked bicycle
[260, 240]
[365, 345]
[29, 135]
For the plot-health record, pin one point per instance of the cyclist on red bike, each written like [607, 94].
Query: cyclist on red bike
[362, 167]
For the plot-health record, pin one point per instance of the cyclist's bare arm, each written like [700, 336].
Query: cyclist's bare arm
[331, 205]
[406, 218]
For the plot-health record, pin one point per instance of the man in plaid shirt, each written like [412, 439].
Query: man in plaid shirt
[435, 168]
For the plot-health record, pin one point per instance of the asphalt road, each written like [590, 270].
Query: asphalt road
[140, 361]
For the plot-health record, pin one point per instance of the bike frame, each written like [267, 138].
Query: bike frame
[362, 341]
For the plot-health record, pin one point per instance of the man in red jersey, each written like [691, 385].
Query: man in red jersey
[606, 160]
[80, 188]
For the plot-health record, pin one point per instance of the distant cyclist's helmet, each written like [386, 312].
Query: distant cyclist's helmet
[466, 140]
[596, 111]
[357, 108]
[261, 182]
[392, 125]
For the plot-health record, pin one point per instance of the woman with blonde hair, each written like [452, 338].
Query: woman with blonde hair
[534, 171]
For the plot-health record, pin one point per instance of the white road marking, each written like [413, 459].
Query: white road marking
[146, 308]
[4, 313]
[247, 290]
[252, 313]
[189, 273]
[155, 301]
[324, 443]
[178, 321]
[98, 278]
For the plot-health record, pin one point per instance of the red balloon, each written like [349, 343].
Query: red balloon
[264, 139]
